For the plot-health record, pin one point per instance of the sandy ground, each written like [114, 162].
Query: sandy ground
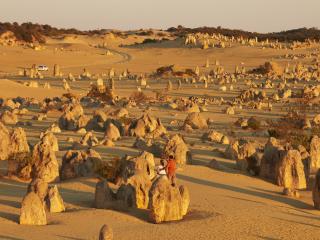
[225, 204]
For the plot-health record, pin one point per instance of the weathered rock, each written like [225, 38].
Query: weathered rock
[230, 111]
[107, 143]
[39, 187]
[184, 192]
[45, 164]
[20, 165]
[54, 128]
[167, 203]
[316, 191]
[196, 121]
[32, 210]
[112, 132]
[104, 196]
[270, 159]
[4, 142]
[68, 121]
[178, 148]
[83, 121]
[8, 117]
[145, 124]
[214, 136]
[244, 153]
[18, 141]
[79, 164]
[54, 201]
[290, 170]
[149, 145]
[73, 117]
[314, 155]
[75, 108]
[89, 140]
[106, 233]
[51, 140]
[141, 164]
[158, 132]
[192, 108]
[121, 113]
[316, 119]
[135, 192]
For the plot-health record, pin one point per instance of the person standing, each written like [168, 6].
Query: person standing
[171, 170]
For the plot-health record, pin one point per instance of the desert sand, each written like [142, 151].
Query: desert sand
[224, 204]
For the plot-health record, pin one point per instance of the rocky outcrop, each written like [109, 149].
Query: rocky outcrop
[316, 191]
[8, 117]
[32, 210]
[146, 125]
[20, 165]
[178, 148]
[167, 203]
[135, 192]
[149, 145]
[104, 196]
[39, 187]
[79, 164]
[106, 233]
[73, 117]
[270, 159]
[217, 137]
[89, 139]
[244, 153]
[141, 164]
[18, 142]
[4, 142]
[67, 121]
[132, 194]
[51, 140]
[314, 155]
[45, 165]
[196, 121]
[54, 201]
[112, 132]
[290, 170]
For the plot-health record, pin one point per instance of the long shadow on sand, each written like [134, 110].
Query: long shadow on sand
[296, 222]
[289, 201]
[9, 238]
[69, 237]
[10, 216]
[265, 238]
[10, 203]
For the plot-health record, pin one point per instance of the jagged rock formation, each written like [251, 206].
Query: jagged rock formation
[79, 164]
[244, 153]
[54, 201]
[45, 165]
[146, 125]
[196, 121]
[32, 210]
[270, 159]
[178, 148]
[106, 233]
[130, 166]
[290, 170]
[167, 203]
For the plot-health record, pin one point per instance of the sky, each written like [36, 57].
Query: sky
[251, 15]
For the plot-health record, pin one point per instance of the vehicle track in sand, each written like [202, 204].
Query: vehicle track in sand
[125, 58]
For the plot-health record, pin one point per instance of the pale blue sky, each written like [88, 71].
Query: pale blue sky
[252, 15]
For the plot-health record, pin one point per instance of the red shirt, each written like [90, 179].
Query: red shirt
[171, 167]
